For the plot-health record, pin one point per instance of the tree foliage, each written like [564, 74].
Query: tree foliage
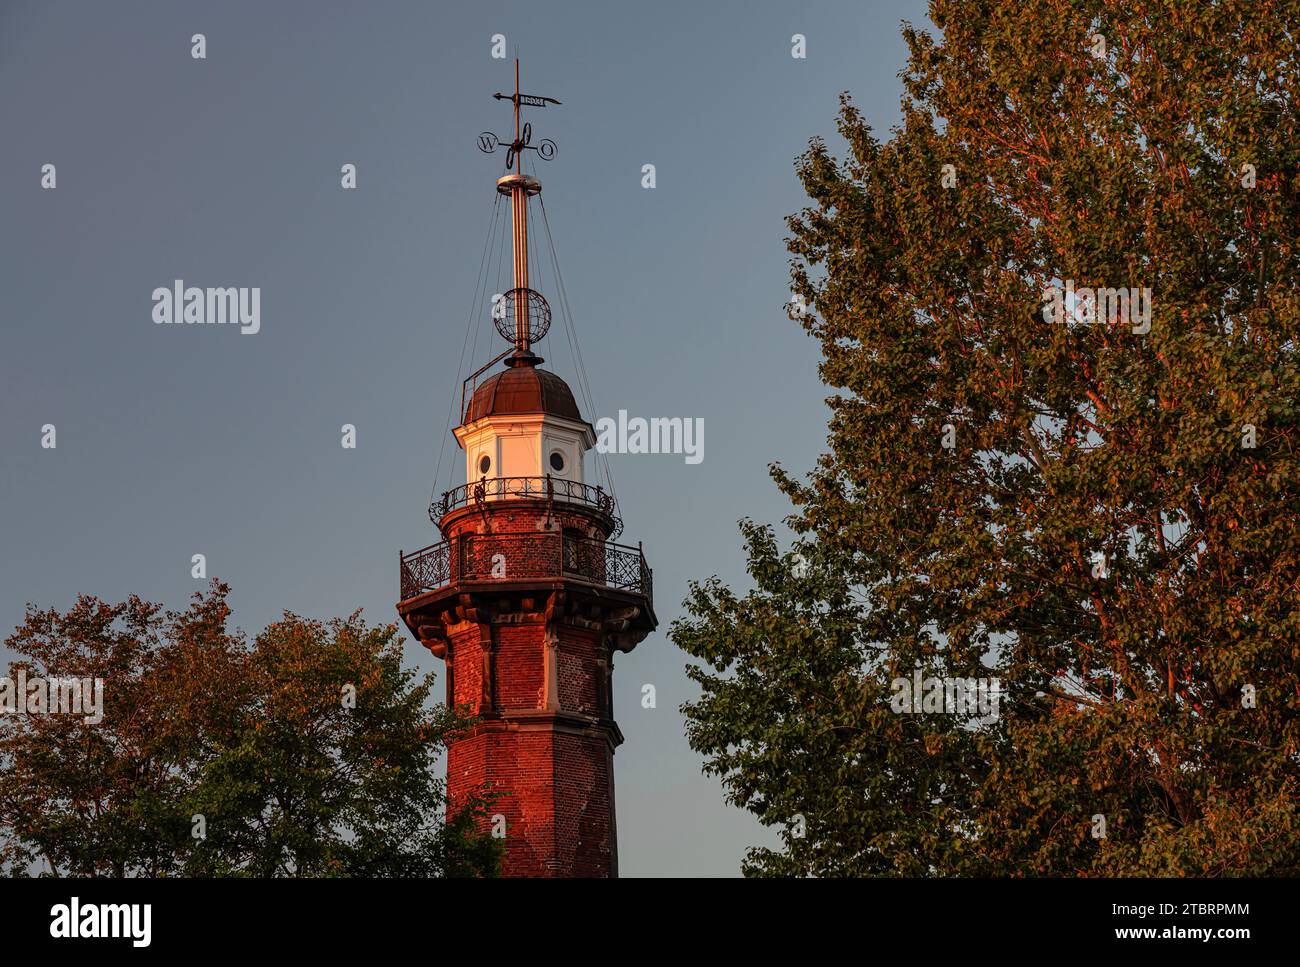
[1113, 531]
[308, 751]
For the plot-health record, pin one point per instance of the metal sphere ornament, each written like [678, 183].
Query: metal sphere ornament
[535, 307]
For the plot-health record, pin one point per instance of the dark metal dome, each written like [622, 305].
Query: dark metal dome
[522, 389]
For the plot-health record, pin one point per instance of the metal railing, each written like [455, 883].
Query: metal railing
[505, 557]
[555, 489]
[426, 569]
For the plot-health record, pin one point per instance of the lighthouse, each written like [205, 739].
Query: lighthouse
[528, 595]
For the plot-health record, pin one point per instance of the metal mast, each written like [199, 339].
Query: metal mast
[530, 312]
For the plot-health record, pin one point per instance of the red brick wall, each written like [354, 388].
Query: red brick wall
[584, 786]
[520, 519]
[520, 666]
[554, 787]
[555, 792]
[579, 654]
[466, 655]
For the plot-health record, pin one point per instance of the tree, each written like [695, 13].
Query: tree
[308, 751]
[1100, 515]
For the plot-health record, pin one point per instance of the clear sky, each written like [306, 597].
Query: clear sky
[177, 440]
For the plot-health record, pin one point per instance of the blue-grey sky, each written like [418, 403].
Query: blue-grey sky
[177, 440]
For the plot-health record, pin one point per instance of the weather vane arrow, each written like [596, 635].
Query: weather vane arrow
[523, 140]
[526, 100]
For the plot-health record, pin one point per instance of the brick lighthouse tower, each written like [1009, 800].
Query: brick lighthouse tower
[527, 597]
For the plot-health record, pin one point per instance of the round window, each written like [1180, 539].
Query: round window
[557, 461]
[484, 463]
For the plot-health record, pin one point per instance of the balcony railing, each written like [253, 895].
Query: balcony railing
[426, 569]
[555, 489]
[507, 557]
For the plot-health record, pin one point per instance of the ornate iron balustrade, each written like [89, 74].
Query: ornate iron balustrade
[426, 569]
[604, 562]
[555, 489]
[504, 557]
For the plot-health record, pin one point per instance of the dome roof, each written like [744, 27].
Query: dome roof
[522, 389]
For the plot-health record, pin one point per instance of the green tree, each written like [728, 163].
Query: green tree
[86, 799]
[1102, 516]
[309, 751]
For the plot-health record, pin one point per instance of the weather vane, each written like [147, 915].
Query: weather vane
[528, 308]
[488, 142]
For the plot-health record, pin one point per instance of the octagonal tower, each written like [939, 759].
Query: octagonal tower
[527, 597]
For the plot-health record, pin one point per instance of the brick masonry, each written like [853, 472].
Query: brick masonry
[534, 663]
